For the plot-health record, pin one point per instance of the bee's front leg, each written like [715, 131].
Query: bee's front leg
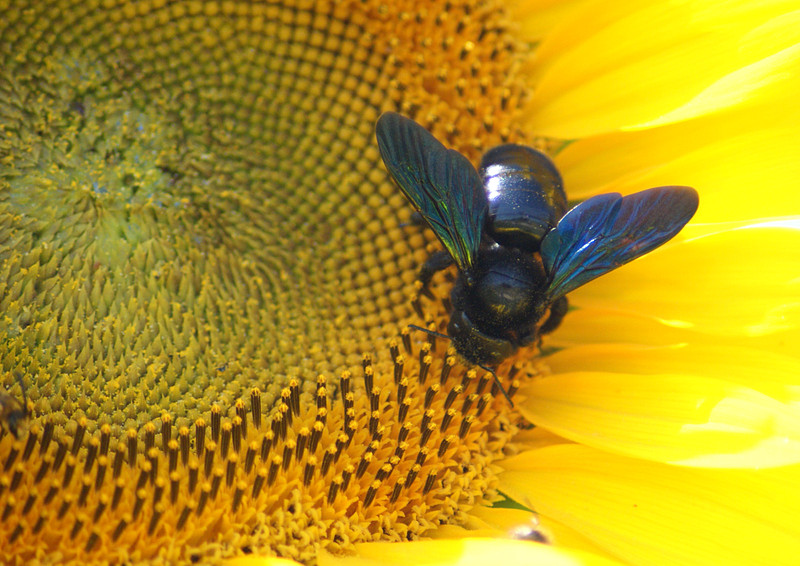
[436, 262]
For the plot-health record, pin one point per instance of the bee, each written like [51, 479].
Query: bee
[518, 250]
[12, 412]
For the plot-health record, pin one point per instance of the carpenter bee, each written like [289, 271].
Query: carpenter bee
[517, 248]
[12, 412]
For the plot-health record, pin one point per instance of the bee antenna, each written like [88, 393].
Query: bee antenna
[22, 387]
[431, 332]
[485, 368]
[500, 385]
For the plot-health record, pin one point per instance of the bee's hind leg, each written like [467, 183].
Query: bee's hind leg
[528, 336]
[557, 311]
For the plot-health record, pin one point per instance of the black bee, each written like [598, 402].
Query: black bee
[517, 249]
[12, 412]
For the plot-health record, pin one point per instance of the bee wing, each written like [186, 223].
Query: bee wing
[441, 183]
[607, 231]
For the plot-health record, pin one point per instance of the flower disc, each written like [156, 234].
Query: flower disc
[196, 230]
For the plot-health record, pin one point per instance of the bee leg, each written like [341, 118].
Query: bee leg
[436, 262]
[557, 311]
[416, 219]
[527, 337]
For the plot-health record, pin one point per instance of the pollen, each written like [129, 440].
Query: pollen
[199, 246]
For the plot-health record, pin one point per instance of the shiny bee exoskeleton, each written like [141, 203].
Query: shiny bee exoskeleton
[517, 248]
[525, 194]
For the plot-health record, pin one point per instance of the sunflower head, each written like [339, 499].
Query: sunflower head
[199, 244]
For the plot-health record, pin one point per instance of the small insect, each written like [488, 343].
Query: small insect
[12, 412]
[531, 531]
[517, 249]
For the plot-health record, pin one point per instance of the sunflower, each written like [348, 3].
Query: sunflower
[205, 276]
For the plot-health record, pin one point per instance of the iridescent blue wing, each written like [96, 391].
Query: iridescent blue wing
[441, 184]
[607, 231]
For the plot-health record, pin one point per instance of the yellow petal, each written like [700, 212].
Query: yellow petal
[490, 522]
[537, 437]
[537, 18]
[502, 519]
[646, 513]
[465, 552]
[744, 165]
[736, 282]
[686, 419]
[507, 520]
[773, 77]
[636, 64]
[775, 375]
[612, 326]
